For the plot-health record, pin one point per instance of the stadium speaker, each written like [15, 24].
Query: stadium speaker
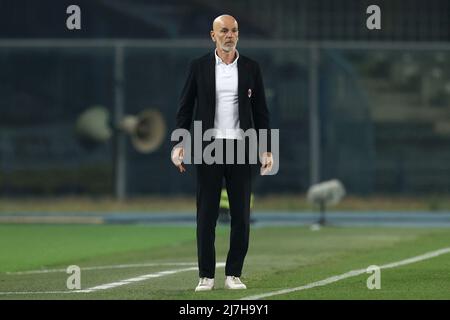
[325, 193]
[146, 129]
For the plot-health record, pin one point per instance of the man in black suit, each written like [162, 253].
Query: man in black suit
[228, 92]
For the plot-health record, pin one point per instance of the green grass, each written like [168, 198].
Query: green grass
[25, 247]
[278, 258]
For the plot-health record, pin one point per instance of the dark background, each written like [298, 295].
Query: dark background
[384, 112]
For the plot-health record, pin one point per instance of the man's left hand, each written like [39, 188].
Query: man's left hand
[267, 163]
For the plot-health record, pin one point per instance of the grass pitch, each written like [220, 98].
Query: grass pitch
[278, 258]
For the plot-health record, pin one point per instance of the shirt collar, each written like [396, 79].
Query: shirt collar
[219, 61]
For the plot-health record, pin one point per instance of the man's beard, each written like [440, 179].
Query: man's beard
[228, 48]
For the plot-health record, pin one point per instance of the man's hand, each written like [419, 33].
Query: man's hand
[267, 163]
[177, 158]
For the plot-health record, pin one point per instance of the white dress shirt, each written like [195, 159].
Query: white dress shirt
[226, 120]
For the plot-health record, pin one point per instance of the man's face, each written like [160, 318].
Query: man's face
[225, 33]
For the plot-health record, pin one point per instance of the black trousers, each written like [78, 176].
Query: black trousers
[238, 178]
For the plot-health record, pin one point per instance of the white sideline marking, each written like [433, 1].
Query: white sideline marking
[349, 274]
[326, 281]
[117, 266]
[114, 284]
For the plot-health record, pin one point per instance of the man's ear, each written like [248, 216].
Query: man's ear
[212, 36]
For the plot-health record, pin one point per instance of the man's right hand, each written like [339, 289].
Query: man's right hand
[177, 158]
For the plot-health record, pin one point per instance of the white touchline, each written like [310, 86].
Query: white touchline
[349, 274]
[116, 266]
[326, 281]
[136, 279]
[115, 284]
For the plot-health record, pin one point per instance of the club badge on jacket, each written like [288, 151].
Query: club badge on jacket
[249, 93]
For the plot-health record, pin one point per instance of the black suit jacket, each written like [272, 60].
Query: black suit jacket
[200, 91]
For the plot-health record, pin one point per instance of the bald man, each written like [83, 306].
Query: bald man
[226, 90]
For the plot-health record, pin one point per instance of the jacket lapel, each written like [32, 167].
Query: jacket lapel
[242, 85]
[211, 81]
